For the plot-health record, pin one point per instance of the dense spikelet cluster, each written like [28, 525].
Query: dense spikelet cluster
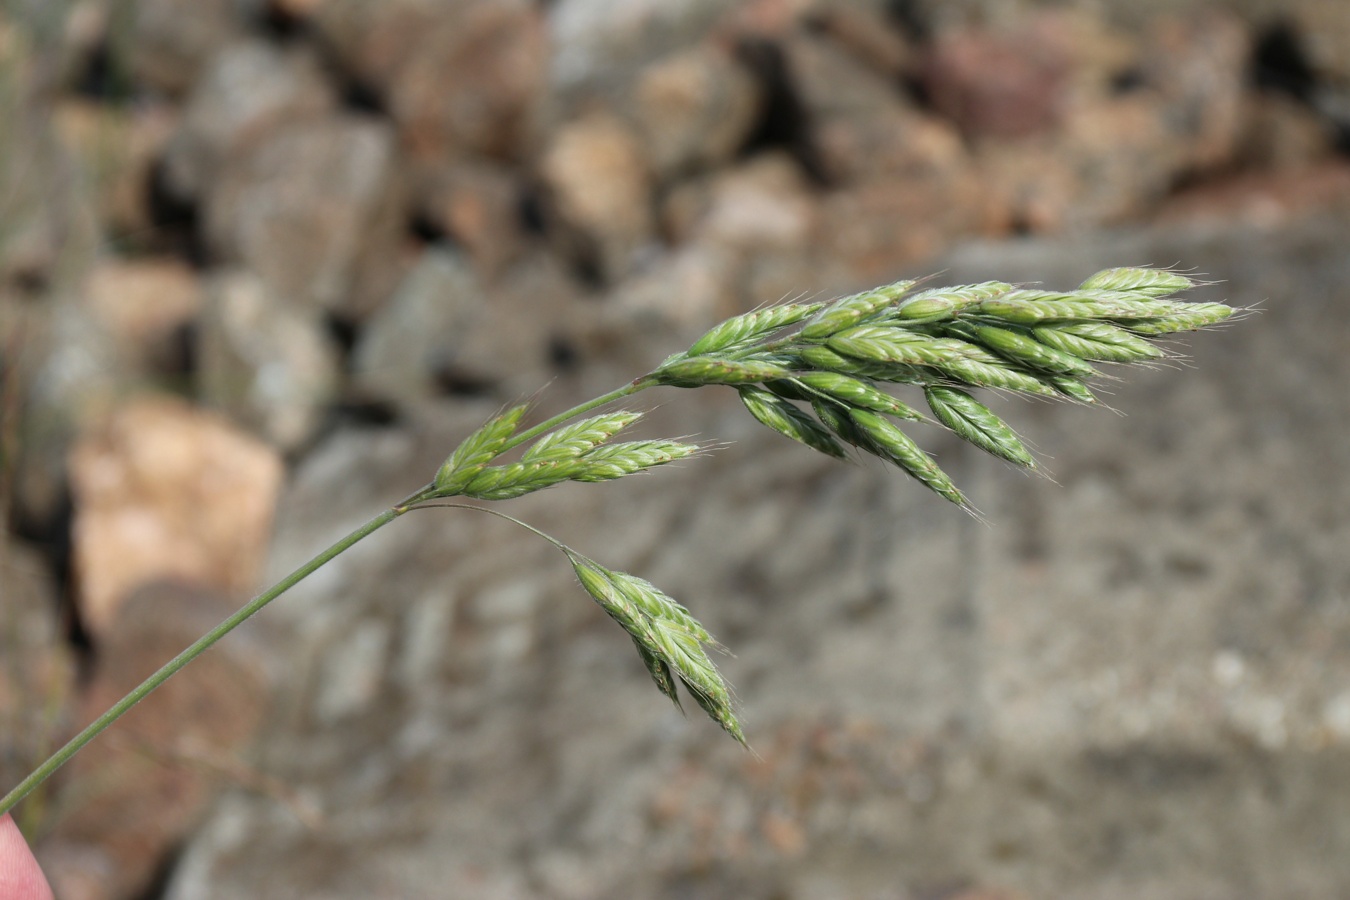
[669, 640]
[816, 373]
[820, 385]
[576, 452]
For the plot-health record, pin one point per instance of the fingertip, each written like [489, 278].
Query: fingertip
[20, 876]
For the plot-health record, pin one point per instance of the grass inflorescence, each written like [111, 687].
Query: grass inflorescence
[817, 373]
[813, 372]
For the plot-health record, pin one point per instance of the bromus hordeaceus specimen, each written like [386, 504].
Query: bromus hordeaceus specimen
[812, 372]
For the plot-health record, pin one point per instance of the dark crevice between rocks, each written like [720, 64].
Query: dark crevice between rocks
[100, 76]
[783, 122]
[563, 355]
[176, 220]
[911, 18]
[52, 536]
[455, 381]
[158, 886]
[280, 23]
[352, 409]
[1280, 63]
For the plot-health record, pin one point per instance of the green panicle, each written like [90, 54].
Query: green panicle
[575, 439]
[518, 479]
[659, 671]
[835, 418]
[1096, 341]
[1031, 353]
[610, 461]
[855, 392]
[893, 444]
[849, 311]
[789, 421]
[476, 451]
[699, 371]
[743, 330]
[1072, 388]
[1149, 282]
[923, 310]
[1189, 317]
[972, 421]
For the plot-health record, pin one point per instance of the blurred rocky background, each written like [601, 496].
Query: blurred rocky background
[263, 262]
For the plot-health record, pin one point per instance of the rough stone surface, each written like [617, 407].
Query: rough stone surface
[133, 795]
[314, 209]
[265, 364]
[477, 205]
[1130, 683]
[144, 306]
[600, 187]
[169, 41]
[694, 109]
[471, 81]
[247, 90]
[164, 491]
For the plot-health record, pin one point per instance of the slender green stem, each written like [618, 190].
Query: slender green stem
[637, 384]
[59, 758]
[62, 756]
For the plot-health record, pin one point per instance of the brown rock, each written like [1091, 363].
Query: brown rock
[1008, 83]
[169, 41]
[471, 79]
[116, 148]
[694, 109]
[600, 190]
[1198, 66]
[143, 304]
[315, 209]
[867, 37]
[165, 491]
[763, 203]
[1280, 133]
[246, 90]
[130, 797]
[478, 205]
[270, 366]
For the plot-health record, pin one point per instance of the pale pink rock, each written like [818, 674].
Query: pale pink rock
[164, 491]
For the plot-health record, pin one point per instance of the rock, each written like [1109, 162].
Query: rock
[478, 205]
[1281, 134]
[446, 332]
[116, 149]
[169, 41]
[599, 187]
[600, 43]
[764, 203]
[164, 491]
[144, 306]
[471, 80]
[1144, 656]
[38, 678]
[694, 109]
[267, 365]
[874, 227]
[315, 209]
[419, 332]
[246, 90]
[1199, 67]
[132, 796]
[1000, 84]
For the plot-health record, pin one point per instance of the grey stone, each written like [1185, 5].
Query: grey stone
[1129, 683]
[246, 90]
[266, 364]
[169, 41]
[315, 209]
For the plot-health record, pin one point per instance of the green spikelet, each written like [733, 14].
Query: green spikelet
[972, 421]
